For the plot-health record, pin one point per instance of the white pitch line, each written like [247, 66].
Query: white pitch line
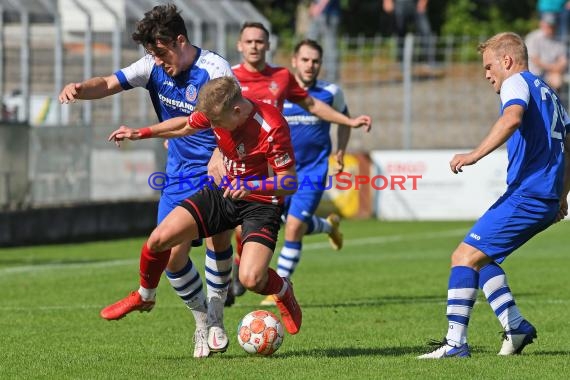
[307, 247]
[57, 266]
[388, 239]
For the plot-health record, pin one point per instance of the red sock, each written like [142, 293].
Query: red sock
[239, 248]
[274, 283]
[152, 265]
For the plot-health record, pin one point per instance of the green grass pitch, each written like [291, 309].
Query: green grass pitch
[368, 311]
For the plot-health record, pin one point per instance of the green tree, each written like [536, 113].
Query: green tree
[470, 18]
[280, 13]
[447, 17]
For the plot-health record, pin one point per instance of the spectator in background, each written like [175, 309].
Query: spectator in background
[546, 55]
[410, 16]
[561, 10]
[325, 18]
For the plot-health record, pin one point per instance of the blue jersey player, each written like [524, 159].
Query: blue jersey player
[534, 125]
[173, 72]
[312, 145]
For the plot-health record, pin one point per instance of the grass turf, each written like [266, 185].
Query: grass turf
[368, 311]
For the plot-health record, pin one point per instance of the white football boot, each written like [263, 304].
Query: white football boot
[217, 337]
[445, 350]
[201, 348]
[515, 340]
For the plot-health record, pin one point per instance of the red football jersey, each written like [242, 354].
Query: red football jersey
[254, 150]
[272, 85]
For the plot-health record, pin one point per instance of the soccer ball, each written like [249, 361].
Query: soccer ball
[260, 332]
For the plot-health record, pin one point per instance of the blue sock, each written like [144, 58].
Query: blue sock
[218, 272]
[493, 282]
[317, 225]
[461, 296]
[289, 258]
[188, 285]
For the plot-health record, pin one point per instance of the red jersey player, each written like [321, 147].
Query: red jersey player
[272, 85]
[254, 141]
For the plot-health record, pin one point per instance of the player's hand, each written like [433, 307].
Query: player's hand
[460, 160]
[316, 9]
[388, 6]
[421, 7]
[216, 168]
[122, 133]
[362, 121]
[339, 156]
[563, 212]
[69, 93]
[237, 190]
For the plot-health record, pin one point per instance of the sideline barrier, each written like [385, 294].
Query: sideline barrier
[77, 223]
[440, 194]
[346, 198]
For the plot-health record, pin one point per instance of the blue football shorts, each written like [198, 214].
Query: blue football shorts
[304, 202]
[509, 223]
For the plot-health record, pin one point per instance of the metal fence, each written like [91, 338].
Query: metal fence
[433, 95]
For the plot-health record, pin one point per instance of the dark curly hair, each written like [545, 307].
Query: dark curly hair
[162, 23]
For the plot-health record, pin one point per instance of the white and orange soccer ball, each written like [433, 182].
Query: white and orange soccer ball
[260, 333]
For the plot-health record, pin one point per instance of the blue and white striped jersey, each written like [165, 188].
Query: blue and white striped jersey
[309, 134]
[535, 151]
[177, 96]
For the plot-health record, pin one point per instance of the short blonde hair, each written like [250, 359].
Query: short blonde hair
[218, 96]
[506, 43]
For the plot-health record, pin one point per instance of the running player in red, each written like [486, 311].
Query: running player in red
[274, 85]
[255, 145]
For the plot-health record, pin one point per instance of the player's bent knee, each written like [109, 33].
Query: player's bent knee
[159, 241]
[251, 281]
[468, 256]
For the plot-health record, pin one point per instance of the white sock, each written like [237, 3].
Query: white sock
[283, 289]
[147, 294]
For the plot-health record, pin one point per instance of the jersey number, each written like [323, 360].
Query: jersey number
[555, 115]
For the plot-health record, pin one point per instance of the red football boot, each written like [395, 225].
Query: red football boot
[290, 310]
[121, 308]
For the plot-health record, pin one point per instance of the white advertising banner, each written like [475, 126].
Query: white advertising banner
[119, 174]
[421, 185]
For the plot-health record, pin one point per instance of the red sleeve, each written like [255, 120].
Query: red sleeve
[280, 154]
[295, 92]
[198, 120]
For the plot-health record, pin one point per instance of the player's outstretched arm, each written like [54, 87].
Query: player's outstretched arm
[327, 113]
[343, 135]
[94, 88]
[363, 121]
[174, 127]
